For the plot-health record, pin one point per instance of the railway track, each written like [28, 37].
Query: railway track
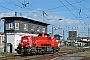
[45, 56]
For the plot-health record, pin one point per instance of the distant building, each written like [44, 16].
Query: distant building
[79, 41]
[16, 27]
[74, 40]
[73, 33]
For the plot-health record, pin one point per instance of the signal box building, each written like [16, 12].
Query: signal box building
[16, 27]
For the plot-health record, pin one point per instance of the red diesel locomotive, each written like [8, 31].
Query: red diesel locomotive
[43, 43]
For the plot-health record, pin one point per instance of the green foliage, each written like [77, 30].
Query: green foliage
[7, 54]
[86, 53]
[67, 48]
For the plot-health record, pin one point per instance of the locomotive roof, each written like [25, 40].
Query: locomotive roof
[23, 18]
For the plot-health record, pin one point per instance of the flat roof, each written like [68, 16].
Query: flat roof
[24, 19]
[77, 38]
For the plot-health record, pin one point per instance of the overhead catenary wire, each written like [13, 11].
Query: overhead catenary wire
[62, 6]
[76, 8]
[17, 6]
[29, 9]
[26, 7]
[6, 8]
[9, 9]
[22, 7]
[72, 6]
[67, 8]
[25, 4]
[79, 11]
[12, 3]
[70, 11]
[19, 1]
[83, 6]
[43, 12]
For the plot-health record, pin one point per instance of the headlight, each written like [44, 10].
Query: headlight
[22, 44]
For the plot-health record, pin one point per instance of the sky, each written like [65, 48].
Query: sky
[75, 14]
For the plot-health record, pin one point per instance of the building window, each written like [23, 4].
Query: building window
[25, 27]
[38, 29]
[9, 26]
[16, 26]
[32, 28]
[43, 29]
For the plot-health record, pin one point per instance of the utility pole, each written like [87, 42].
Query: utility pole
[20, 14]
[5, 48]
[63, 34]
[88, 30]
[15, 14]
[52, 29]
[44, 13]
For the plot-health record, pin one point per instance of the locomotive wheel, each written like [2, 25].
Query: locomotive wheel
[22, 51]
[43, 51]
[18, 51]
[53, 50]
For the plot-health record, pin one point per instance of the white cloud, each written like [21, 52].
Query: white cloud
[8, 14]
